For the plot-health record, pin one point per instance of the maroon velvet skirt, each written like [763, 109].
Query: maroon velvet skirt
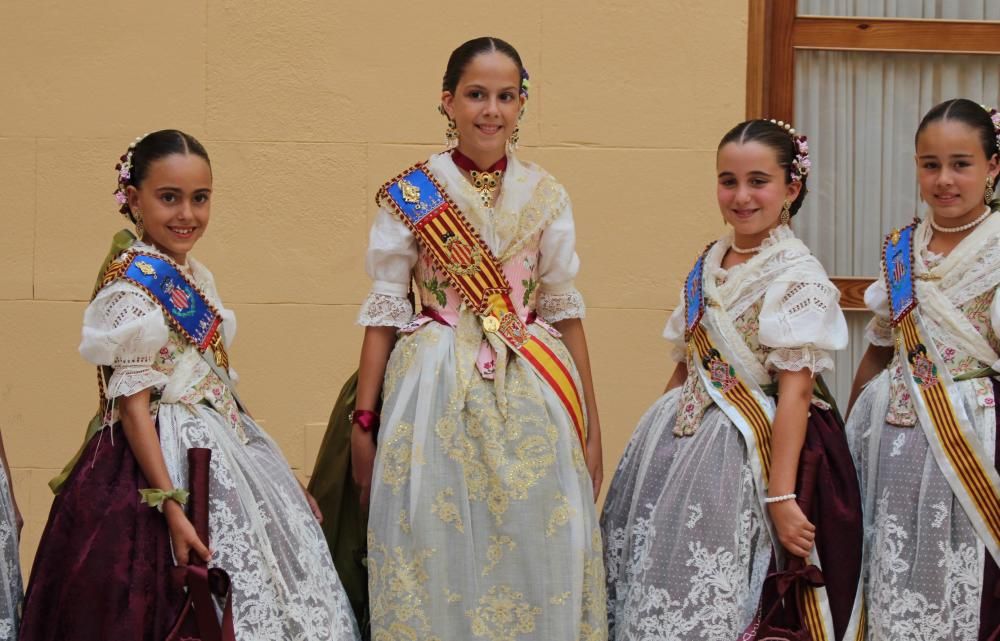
[102, 568]
[833, 505]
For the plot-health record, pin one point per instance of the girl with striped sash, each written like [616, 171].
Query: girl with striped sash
[924, 427]
[704, 498]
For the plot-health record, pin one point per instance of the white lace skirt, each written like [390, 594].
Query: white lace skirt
[923, 561]
[686, 548]
[11, 591]
[482, 522]
[262, 530]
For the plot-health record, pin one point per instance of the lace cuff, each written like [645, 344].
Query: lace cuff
[127, 380]
[382, 310]
[879, 332]
[798, 358]
[556, 307]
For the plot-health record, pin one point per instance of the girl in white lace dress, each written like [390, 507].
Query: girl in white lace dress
[482, 522]
[688, 539]
[102, 570]
[930, 554]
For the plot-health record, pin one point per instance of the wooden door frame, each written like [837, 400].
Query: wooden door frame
[775, 33]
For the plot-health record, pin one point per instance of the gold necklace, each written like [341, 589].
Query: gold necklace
[486, 183]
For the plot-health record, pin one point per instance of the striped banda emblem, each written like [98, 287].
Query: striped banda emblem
[440, 227]
[969, 468]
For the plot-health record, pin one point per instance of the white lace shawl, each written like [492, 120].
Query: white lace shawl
[971, 269]
[530, 200]
[125, 329]
[800, 318]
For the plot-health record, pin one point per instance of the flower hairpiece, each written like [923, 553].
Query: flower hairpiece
[800, 163]
[124, 168]
[525, 83]
[995, 118]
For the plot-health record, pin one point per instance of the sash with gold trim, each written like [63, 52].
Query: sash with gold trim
[441, 228]
[958, 450]
[752, 411]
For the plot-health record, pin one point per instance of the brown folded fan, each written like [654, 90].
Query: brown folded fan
[197, 620]
[782, 591]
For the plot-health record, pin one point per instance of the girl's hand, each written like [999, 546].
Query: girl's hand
[362, 461]
[595, 464]
[183, 537]
[795, 532]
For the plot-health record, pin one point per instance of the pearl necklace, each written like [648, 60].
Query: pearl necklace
[748, 250]
[967, 226]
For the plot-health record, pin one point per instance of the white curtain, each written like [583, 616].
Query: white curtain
[860, 111]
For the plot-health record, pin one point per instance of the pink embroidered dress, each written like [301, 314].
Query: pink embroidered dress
[482, 521]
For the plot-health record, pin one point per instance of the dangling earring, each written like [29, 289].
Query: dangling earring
[786, 213]
[139, 228]
[988, 195]
[514, 138]
[451, 135]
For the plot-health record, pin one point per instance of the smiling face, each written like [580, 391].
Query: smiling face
[174, 198]
[752, 189]
[952, 169]
[485, 106]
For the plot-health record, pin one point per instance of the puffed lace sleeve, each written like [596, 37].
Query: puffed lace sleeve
[802, 323]
[879, 330]
[124, 329]
[674, 333]
[392, 252]
[558, 264]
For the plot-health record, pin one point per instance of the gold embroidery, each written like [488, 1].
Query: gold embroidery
[396, 454]
[503, 615]
[446, 510]
[145, 268]
[560, 599]
[495, 551]
[560, 515]
[451, 597]
[404, 522]
[398, 590]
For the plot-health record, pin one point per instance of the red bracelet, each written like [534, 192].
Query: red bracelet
[367, 420]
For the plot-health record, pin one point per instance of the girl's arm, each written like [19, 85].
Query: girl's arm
[140, 432]
[375, 350]
[875, 360]
[10, 482]
[679, 376]
[794, 530]
[576, 342]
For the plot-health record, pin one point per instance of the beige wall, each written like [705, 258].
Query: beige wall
[305, 108]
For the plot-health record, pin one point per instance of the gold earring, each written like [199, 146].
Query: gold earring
[513, 140]
[139, 228]
[989, 194]
[451, 135]
[786, 213]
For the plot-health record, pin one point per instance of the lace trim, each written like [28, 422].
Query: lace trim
[127, 380]
[803, 298]
[382, 310]
[879, 332]
[556, 307]
[798, 358]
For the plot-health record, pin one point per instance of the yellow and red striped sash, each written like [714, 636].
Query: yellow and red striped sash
[957, 449]
[743, 406]
[441, 228]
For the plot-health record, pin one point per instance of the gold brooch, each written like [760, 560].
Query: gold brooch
[411, 193]
[486, 183]
[491, 324]
[145, 268]
[465, 258]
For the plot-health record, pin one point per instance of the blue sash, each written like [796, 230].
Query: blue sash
[897, 257]
[694, 297]
[187, 308]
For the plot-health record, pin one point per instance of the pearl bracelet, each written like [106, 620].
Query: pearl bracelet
[779, 499]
